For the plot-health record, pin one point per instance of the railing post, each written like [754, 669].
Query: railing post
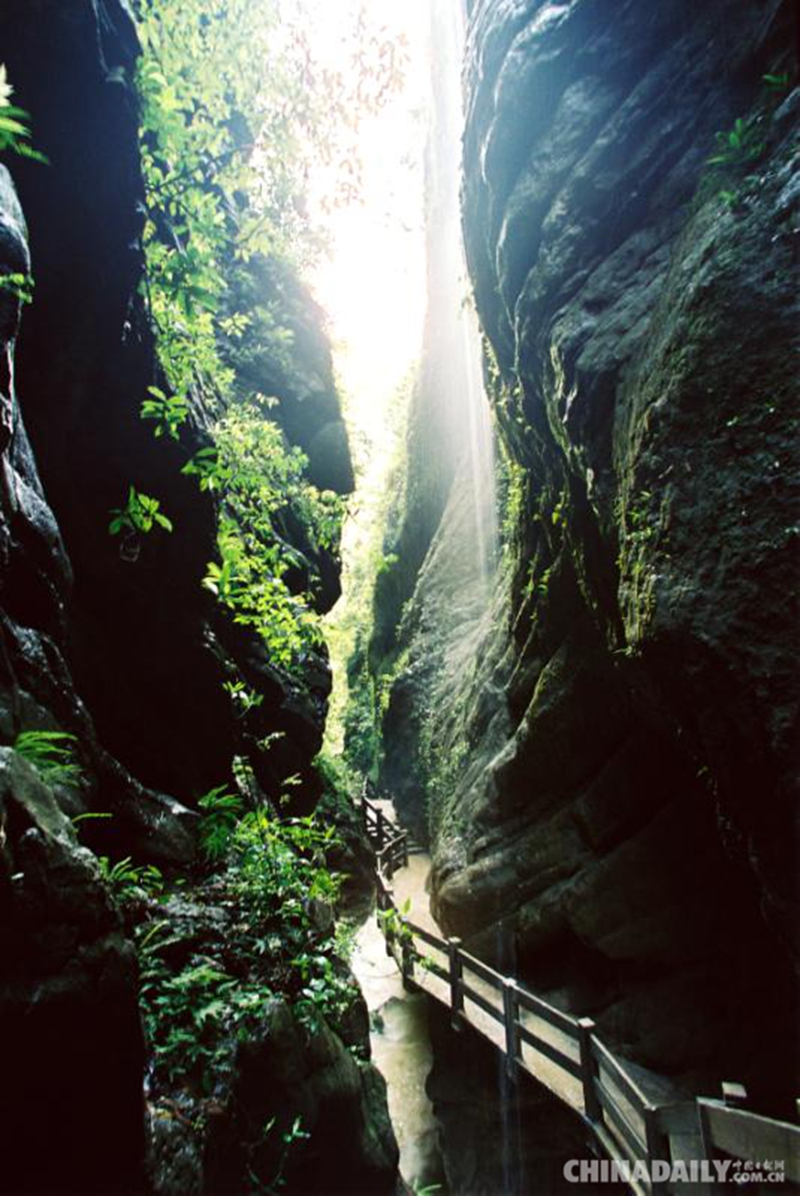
[510, 1008]
[387, 929]
[456, 993]
[380, 830]
[407, 948]
[591, 1105]
[405, 849]
[657, 1147]
[734, 1095]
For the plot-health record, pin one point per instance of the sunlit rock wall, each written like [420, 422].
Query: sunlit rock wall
[148, 649]
[434, 602]
[633, 831]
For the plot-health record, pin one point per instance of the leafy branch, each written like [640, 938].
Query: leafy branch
[15, 133]
[141, 514]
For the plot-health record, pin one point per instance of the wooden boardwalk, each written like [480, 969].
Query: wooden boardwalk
[631, 1115]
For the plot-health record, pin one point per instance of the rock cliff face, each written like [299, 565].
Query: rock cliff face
[147, 649]
[124, 651]
[431, 600]
[68, 985]
[623, 801]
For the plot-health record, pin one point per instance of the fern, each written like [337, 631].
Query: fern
[52, 754]
[221, 813]
[129, 881]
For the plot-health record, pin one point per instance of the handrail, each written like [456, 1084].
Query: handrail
[594, 1071]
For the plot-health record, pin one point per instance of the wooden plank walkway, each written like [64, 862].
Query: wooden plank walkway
[633, 1116]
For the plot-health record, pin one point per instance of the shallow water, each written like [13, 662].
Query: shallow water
[401, 1051]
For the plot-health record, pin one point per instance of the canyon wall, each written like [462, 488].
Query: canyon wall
[121, 647]
[84, 362]
[610, 779]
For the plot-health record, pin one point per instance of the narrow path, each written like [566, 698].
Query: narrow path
[635, 1117]
[410, 884]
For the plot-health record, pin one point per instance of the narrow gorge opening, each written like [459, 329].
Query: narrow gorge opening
[398, 597]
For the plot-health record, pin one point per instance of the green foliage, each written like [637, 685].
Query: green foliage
[250, 585]
[280, 866]
[558, 515]
[15, 134]
[541, 585]
[260, 478]
[236, 111]
[167, 411]
[279, 874]
[191, 1015]
[19, 285]
[326, 993]
[141, 514]
[266, 476]
[362, 739]
[291, 1138]
[131, 882]
[388, 563]
[52, 754]
[244, 699]
[637, 525]
[277, 880]
[740, 145]
[778, 82]
[512, 498]
[221, 812]
[206, 466]
[393, 923]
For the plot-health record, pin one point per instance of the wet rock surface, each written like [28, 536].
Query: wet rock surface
[73, 1051]
[125, 653]
[616, 777]
[278, 1095]
[495, 1135]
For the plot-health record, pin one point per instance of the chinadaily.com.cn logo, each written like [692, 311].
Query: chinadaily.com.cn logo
[731, 1171]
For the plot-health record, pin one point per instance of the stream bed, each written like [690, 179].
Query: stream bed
[401, 1050]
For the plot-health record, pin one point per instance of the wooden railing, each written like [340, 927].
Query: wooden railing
[561, 1051]
[730, 1131]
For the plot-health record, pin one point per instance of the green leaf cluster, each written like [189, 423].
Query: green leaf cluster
[265, 477]
[131, 882]
[52, 754]
[141, 514]
[15, 133]
[19, 285]
[249, 582]
[221, 812]
[168, 412]
[739, 145]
